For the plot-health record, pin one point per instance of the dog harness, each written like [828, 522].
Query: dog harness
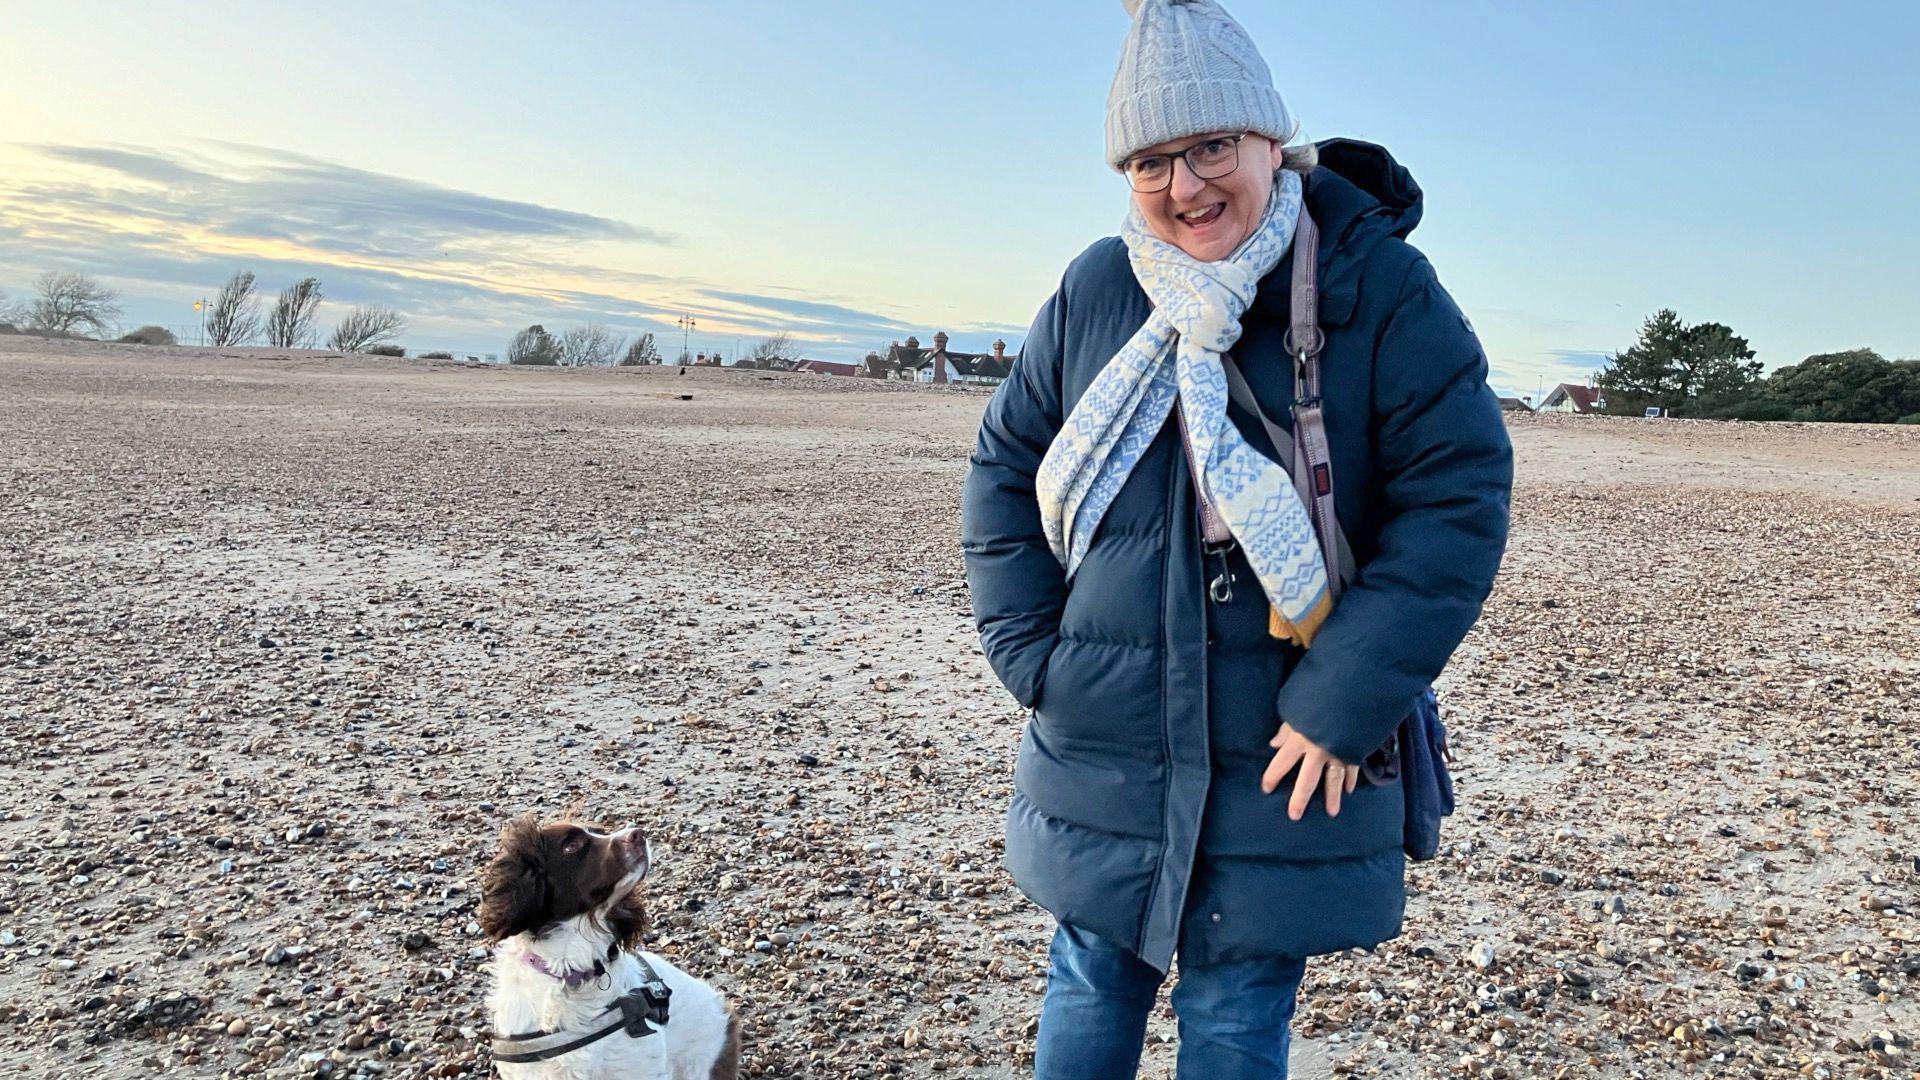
[638, 1008]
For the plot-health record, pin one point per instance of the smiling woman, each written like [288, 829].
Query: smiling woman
[1150, 581]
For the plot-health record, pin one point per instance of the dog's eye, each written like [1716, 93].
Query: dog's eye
[574, 844]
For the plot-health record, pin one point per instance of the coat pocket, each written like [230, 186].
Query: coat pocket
[1101, 693]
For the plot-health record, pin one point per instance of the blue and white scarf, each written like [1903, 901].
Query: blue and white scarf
[1197, 307]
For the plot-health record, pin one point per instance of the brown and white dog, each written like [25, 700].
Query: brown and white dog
[560, 902]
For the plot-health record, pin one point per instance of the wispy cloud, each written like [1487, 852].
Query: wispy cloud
[178, 221]
[1579, 359]
[261, 194]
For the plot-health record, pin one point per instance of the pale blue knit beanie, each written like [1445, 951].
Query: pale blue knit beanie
[1188, 69]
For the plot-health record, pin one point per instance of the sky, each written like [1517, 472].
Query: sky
[855, 171]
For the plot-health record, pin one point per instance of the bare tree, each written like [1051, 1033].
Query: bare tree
[641, 353]
[769, 350]
[234, 318]
[13, 313]
[589, 345]
[290, 326]
[534, 346]
[65, 302]
[365, 327]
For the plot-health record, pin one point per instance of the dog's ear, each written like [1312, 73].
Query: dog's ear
[514, 892]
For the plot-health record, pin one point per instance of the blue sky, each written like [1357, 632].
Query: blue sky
[855, 171]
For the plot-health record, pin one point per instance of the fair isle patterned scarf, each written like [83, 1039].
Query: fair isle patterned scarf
[1196, 317]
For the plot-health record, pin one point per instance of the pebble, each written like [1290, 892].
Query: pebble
[1481, 956]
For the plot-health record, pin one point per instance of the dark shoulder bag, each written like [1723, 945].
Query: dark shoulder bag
[1417, 754]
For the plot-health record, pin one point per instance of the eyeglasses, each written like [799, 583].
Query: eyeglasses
[1209, 160]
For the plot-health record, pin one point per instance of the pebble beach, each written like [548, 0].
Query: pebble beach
[286, 637]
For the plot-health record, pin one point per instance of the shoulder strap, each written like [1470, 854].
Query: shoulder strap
[1304, 453]
[1242, 394]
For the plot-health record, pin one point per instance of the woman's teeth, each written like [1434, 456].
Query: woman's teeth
[1198, 218]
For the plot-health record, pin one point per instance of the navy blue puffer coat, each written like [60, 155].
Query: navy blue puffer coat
[1138, 814]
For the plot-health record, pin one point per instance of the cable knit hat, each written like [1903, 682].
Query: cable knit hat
[1188, 69]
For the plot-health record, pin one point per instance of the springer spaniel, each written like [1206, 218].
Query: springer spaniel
[574, 996]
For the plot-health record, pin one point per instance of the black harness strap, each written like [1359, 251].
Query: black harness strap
[642, 1012]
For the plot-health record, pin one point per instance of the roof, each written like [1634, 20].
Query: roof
[979, 365]
[1585, 398]
[1513, 404]
[900, 356]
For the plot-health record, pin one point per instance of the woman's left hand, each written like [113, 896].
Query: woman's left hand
[1318, 770]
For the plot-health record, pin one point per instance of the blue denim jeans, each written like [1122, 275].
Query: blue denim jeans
[1233, 1017]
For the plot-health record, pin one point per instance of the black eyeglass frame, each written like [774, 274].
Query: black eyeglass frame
[1235, 140]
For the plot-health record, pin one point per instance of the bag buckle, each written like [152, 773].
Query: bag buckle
[1220, 589]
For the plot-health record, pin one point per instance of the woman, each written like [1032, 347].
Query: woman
[1188, 781]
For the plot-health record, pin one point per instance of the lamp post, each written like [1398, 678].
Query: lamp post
[686, 325]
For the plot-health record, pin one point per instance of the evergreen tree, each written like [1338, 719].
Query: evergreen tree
[1679, 368]
[1856, 386]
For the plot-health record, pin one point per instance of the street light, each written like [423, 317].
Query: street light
[686, 325]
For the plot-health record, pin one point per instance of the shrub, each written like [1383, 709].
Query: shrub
[534, 346]
[435, 355]
[1910, 418]
[8, 328]
[386, 350]
[1762, 409]
[150, 335]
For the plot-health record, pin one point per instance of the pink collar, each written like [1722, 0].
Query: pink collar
[573, 979]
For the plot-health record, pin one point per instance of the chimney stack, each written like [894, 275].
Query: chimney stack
[1000, 351]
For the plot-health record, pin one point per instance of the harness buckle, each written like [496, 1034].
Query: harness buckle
[643, 1006]
[1221, 587]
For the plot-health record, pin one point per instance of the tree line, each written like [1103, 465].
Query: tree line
[1706, 371]
[69, 304]
[594, 345]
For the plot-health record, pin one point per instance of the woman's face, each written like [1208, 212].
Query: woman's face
[1208, 219]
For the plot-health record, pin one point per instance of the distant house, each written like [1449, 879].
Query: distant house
[939, 364]
[826, 367]
[1574, 398]
[1516, 404]
[898, 362]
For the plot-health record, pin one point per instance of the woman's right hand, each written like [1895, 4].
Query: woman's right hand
[1319, 770]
